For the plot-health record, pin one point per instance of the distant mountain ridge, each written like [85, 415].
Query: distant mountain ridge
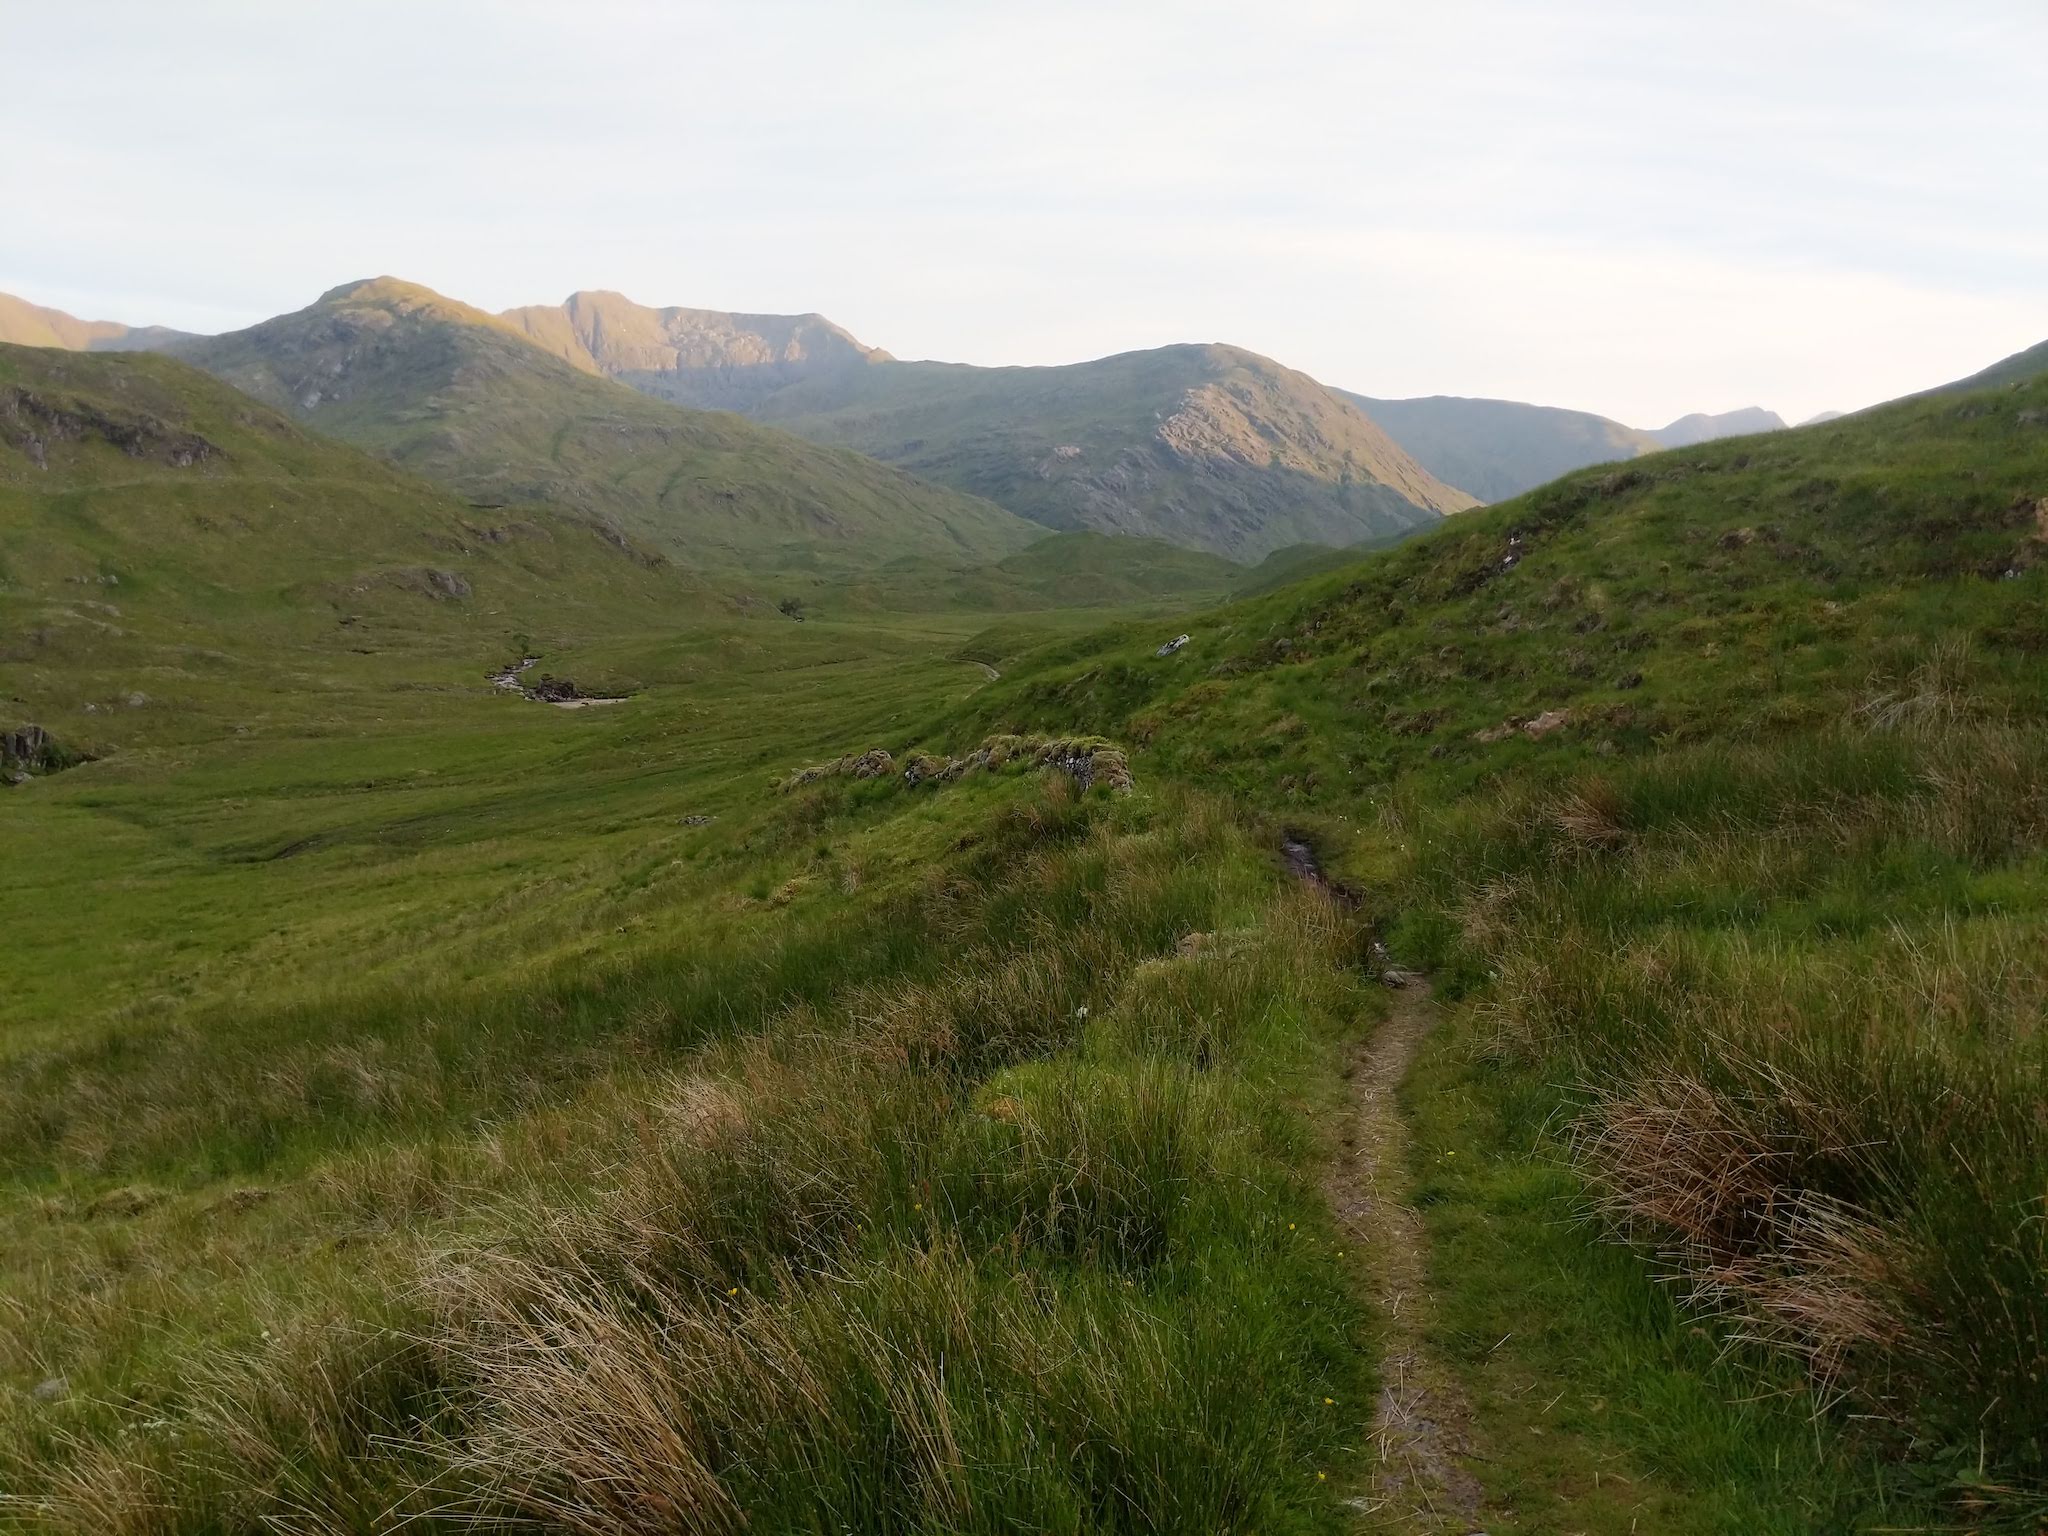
[1209, 447]
[23, 324]
[467, 399]
[703, 358]
[1701, 427]
[1206, 446]
[1496, 449]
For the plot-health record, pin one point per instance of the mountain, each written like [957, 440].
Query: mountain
[1822, 418]
[470, 401]
[1499, 448]
[31, 325]
[708, 359]
[1208, 447]
[1702, 428]
[2019, 368]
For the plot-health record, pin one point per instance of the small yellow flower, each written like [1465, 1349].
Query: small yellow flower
[734, 1291]
[1290, 1226]
[1329, 1402]
[1322, 1477]
[917, 1205]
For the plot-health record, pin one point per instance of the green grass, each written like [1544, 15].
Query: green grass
[924, 1142]
[413, 1106]
[1062, 571]
[1764, 894]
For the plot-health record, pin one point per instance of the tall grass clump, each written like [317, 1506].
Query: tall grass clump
[1798, 993]
[1026, 1238]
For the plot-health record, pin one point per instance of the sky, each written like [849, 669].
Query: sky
[1634, 207]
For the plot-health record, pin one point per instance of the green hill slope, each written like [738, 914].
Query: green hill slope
[1495, 449]
[1715, 784]
[1209, 447]
[2017, 369]
[1062, 570]
[166, 538]
[462, 398]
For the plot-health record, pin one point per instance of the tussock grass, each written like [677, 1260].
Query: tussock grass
[1801, 993]
[1023, 1238]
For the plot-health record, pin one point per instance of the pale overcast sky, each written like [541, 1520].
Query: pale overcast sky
[1636, 207]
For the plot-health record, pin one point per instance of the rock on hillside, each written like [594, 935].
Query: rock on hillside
[706, 358]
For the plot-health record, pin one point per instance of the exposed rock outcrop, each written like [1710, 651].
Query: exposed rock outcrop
[29, 750]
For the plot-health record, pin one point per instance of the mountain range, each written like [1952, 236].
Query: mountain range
[1211, 448]
[632, 414]
[468, 401]
[987, 429]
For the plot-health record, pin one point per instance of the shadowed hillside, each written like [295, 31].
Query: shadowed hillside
[1495, 449]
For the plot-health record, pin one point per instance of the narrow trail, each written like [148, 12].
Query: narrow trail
[1420, 1423]
[987, 671]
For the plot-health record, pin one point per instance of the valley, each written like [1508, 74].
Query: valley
[886, 1069]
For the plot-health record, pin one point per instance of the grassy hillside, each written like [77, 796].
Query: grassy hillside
[462, 398]
[1713, 782]
[1494, 449]
[2020, 368]
[1205, 446]
[1062, 570]
[172, 552]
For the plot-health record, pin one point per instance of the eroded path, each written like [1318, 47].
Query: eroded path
[1421, 1422]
